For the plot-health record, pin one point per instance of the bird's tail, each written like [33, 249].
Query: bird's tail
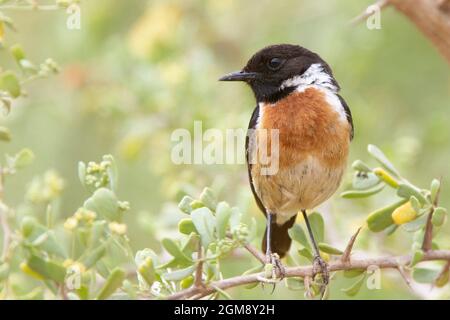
[280, 241]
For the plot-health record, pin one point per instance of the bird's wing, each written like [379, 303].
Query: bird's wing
[348, 114]
[252, 125]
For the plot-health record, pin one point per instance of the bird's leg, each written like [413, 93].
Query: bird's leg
[274, 270]
[319, 265]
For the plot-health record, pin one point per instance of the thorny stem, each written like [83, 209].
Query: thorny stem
[199, 269]
[393, 262]
[428, 237]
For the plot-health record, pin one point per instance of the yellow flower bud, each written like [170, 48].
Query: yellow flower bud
[325, 256]
[386, 177]
[71, 223]
[187, 282]
[118, 228]
[67, 263]
[27, 270]
[404, 214]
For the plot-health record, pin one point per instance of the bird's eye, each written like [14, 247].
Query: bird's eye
[275, 63]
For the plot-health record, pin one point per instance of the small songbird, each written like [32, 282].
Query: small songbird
[296, 95]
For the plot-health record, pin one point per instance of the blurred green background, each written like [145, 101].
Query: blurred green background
[137, 70]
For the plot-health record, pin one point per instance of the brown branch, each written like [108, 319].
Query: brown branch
[255, 252]
[199, 269]
[432, 18]
[348, 250]
[404, 276]
[307, 271]
[428, 236]
[367, 13]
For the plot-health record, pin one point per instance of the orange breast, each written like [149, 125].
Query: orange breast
[308, 126]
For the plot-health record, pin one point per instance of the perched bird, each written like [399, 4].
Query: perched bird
[297, 96]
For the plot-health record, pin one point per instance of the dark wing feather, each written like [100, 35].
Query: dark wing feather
[348, 113]
[252, 125]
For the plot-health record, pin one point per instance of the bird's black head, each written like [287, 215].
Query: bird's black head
[277, 70]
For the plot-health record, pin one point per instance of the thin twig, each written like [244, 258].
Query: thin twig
[307, 271]
[380, 4]
[405, 277]
[199, 270]
[428, 236]
[348, 250]
[255, 252]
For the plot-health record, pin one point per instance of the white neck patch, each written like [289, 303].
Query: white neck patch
[316, 77]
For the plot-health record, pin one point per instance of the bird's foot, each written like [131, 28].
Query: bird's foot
[274, 270]
[320, 267]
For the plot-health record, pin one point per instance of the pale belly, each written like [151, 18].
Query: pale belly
[301, 186]
[313, 148]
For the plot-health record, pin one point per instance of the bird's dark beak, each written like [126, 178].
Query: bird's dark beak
[239, 76]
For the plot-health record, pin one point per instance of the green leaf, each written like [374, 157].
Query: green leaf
[23, 158]
[365, 180]
[113, 283]
[434, 189]
[439, 216]
[46, 240]
[354, 288]
[93, 256]
[175, 251]
[47, 268]
[324, 247]
[179, 274]
[147, 271]
[104, 202]
[208, 198]
[112, 172]
[415, 204]
[425, 275]
[295, 284]
[255, 269]
[191, 244]
[186, 226]
[443, 278]
[5, 134]
[391, 229]
[223, 214]
[143, 254]
[353, 273]
[10, 84]
[17, 52]
[184, 204]
[235, 218]
[406, 191]
[416, 257]
[317, 226]
[98, 230]
[204, 222]
[416, 224]
[82, 173]
[361, 166]
[304, 252]
[382, 159]
[350, 194]
[297, 234]
[382, 218]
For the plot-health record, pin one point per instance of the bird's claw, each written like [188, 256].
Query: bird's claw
[274, 271]
[321, 267]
